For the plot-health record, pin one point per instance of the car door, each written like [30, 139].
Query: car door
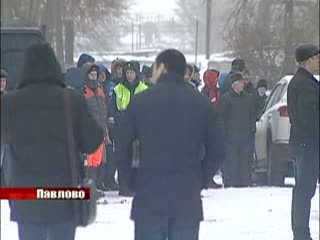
[274, 115]
[263, 123]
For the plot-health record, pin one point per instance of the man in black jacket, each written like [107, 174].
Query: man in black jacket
[239, 118]
[237, 66]
[34, 130]
[174, 124]
[303, 107]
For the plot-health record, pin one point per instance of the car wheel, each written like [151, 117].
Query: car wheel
[275, 172]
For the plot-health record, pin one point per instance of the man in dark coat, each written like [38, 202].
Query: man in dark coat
[303, 108]
[130, 86]
[248, 86]
[237, 66]
[34, 127]
[239, 118]
[173, 123]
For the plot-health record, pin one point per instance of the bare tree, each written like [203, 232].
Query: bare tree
[97, 28]
[264, 33]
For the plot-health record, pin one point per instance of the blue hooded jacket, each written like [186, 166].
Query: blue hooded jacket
[84, 57]
[107, 85]
[221, 79]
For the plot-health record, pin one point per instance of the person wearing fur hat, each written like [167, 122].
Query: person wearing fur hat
[4, 77]
[123, 92]
[303, 109]
[261, 96]
[117, 70]
[239, 118]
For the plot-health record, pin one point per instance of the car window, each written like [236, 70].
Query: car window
[284, 91]
[273, 96]
[278, 95]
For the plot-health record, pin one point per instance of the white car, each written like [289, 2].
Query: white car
[272, 162]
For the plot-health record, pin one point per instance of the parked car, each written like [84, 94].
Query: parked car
[272, 163]
[14, 42]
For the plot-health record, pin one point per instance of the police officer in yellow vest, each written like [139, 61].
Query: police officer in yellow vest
[123, 93]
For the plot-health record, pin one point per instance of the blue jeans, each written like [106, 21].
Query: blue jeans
[166, 229]
[306, 176]
[43, 231]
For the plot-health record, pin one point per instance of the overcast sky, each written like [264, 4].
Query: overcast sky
[153, 7]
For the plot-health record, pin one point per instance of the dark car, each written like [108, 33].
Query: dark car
[14, 42]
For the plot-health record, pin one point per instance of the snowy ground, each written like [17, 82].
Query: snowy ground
[242, 214]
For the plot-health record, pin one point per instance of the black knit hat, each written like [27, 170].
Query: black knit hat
[132, 65]
[234, 77]
[147, 71]
[94, 68]
[4, 74]
[305, 51]
[238, 64]
[262, 83]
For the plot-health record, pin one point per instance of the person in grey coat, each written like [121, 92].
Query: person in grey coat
[239, 117]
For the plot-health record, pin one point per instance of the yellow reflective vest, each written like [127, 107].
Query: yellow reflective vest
[123, 94]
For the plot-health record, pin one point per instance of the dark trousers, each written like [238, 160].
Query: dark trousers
[3, 183]
[124, 189]
[92, 173]
[306, 176]
[101, 173]
[166, 229]
[52, 231]
[237, 166]
[111, 167]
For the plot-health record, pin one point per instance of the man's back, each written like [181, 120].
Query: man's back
[34, 128]
[36, 123]
[303, 107]
[171, 121]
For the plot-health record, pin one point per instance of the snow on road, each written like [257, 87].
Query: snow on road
[230, 214]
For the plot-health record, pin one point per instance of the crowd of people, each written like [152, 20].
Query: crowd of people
[108, 93]
[160, 129]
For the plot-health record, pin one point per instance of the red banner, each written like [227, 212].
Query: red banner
[45, 193]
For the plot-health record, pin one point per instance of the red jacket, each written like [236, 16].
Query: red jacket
[210, 89]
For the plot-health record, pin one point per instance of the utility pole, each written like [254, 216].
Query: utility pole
[289, 63]
[132, 37]
[197, 39]
[140, 35]
[69, 41]
[208, 28]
